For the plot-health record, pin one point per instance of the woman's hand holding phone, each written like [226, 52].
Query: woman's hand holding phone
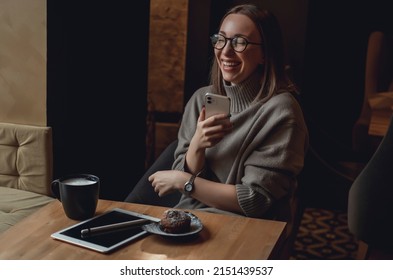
[213, 123]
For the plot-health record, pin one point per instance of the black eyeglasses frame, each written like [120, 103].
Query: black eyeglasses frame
[215, 37]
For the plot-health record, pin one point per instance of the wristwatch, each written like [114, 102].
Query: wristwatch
[189, 185]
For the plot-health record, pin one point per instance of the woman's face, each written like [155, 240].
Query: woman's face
[235, 66]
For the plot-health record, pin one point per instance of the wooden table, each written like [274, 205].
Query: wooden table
[222, 237]
[379, 122]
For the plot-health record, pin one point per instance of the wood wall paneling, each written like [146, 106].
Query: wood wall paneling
[167, 51]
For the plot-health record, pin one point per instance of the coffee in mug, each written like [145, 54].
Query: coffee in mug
[78, 181]
[78, 194]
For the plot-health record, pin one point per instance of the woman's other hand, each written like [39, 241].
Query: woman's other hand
[167, 181]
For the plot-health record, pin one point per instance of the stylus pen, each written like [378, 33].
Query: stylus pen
[110, 227]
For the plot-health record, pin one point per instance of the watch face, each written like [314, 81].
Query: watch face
[188, 187]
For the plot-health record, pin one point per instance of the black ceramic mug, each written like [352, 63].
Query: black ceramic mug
[79, 195]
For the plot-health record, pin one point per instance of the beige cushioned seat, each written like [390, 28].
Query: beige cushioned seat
[25, 171]
[17, 204]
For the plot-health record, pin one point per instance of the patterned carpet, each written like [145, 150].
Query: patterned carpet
[324, 235]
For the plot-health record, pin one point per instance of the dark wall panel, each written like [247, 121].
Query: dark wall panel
[97, 63]
[336, 45]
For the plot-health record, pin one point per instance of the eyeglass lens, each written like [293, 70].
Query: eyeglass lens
[238, 44]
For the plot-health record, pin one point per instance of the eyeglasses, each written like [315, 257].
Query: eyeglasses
[238, 43]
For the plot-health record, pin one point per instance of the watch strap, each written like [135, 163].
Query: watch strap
[192, 179]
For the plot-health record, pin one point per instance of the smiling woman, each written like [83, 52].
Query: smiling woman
[236, 68]
[246, 164]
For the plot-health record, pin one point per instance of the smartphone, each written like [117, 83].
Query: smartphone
[217, 104]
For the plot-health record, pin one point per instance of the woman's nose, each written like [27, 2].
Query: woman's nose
[228, 49]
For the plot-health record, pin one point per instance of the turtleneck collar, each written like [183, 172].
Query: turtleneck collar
[244, 93]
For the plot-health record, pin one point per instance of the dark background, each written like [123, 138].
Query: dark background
[97, 83]
[97, 75]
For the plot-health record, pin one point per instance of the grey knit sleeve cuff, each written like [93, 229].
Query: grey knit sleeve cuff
[253, 203]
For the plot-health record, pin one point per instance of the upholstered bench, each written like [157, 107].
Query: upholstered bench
[25, 171]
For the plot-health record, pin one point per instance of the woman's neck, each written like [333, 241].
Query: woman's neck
[244, 93]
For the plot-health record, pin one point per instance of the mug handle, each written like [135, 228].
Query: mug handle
[55, 189]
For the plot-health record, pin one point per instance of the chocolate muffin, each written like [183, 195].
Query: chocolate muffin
[175, 221]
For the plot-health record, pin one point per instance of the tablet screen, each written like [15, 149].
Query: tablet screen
[107, 240]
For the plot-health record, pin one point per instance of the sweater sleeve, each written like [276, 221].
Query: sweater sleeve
[273, 160]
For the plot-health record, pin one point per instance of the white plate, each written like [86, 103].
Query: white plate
[195, 227]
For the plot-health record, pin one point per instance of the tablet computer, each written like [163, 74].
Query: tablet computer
[106, 240]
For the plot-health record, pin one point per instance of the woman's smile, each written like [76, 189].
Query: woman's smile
[230, 65]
